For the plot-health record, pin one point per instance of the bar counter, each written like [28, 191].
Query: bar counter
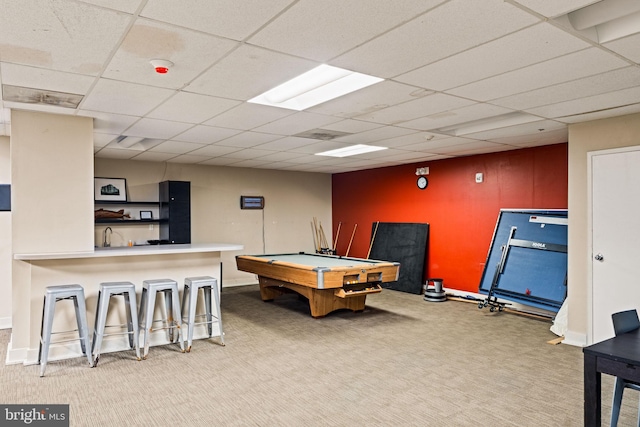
[33, 272]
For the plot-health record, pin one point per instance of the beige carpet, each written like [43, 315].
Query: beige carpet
[403, 361]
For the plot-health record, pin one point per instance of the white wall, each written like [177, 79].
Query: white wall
[5, 240]
[292, 200]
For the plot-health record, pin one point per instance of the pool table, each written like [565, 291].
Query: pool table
[329, 282]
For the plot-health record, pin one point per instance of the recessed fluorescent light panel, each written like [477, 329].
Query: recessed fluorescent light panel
[314, 87]
[351, 151]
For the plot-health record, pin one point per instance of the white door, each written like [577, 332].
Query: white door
[615, 248]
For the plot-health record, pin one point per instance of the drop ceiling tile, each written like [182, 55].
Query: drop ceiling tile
[474, 147]
[109, 123]
[206, 134]
[214, 150]
[220, 161]
[248, 116]
[160, 129]
[150, 156]
[109, 96]
[318, 147]
[526, 47]
[557, 136]
[455, 117]
[102, 139]
[253, 164]
[248, 139]
[569, 67]
[320, 27]
[373, 98]
[247, 72]
[532, 129]
[64, 36]
[287, 144]
[248, 154]
[191, 108]
[438, 144]
[114, 153]
[296, 123]
[407, 140]
[494, 148]
[432, 104]
[20, 75]
[589, 104]
[378, 134]
[281, 156]
[129, 6]
[190, 51]
[177, 147]
[453, 27]
[628, 47]
[188, 158]
[602, 83]
[351, 126]
[234, 19]
[553, 8]
[597, 115]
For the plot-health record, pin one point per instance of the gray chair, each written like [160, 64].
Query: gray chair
[209, 286]
[52, 295]
[105, 292]
[624, 321]
[169, 288]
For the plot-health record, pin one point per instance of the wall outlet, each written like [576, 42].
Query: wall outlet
[479, 177]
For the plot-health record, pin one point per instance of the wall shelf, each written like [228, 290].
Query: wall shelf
[125, 221]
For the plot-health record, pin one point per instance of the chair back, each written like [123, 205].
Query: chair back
[625, 321]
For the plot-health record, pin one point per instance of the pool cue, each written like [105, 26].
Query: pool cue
[350, 241]
[373, 238]
[335, 242]
[314, 236]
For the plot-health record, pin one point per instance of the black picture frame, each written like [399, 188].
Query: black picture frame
[110, 189]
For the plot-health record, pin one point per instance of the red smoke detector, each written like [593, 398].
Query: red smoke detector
[161, 65]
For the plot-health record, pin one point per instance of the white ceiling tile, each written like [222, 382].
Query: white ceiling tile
[65, 36]
[330, 27]
[248, 116]
[428, 105]
[281, 156]
[318, 147]
[627, 46]
[602, 83]
[438, 144]
[177, 147]
[114, 153]
[109, 123]
[405, 141]
[553, 8]
[351, 126]
[220, 161]
[597, 115]
[589, 104]
[188, 158]
[247, 72]
[234, 19]
[248, 154]
[286, 144]
[248, 139]
[453, 27]
[531, 129]
[490, 147]
[160, 129]
[526, 47]
[20, 75]
[457, 116]
[205, 134]
[110, 96]
[557, 136]
[191, 53]
[213, 150]
[369, 99]
[296, 123]
[374, 135]
[191, 108]
[150, 156]
[573, 66]
[102, 139]
[129, 6]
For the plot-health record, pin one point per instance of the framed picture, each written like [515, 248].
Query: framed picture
[146, 215]
[110, 189]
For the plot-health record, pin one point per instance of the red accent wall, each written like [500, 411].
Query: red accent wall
[462, 213]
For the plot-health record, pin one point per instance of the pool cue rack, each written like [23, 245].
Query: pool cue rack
[320, 240]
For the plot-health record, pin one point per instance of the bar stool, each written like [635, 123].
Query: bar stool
[147, 307]
[105, 292]
[190, 296]
[52, 296]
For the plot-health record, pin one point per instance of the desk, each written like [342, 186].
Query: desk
[618, 356]
[329, 282]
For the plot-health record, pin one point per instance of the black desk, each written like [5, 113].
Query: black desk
[618, 356]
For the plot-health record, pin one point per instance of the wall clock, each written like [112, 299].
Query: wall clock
[422, 182]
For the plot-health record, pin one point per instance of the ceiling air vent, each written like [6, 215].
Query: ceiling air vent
[28, 95]
[322, 134]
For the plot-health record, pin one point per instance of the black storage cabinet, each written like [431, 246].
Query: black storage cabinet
[175, 212]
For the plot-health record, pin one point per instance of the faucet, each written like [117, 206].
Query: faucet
[104, 242]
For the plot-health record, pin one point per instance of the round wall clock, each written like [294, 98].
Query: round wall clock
[422, 182]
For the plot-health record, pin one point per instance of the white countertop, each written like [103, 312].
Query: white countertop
[134, 251]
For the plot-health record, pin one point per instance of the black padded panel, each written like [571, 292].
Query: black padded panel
[405, 243]
[5, 197]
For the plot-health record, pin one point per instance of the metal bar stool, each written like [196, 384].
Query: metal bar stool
[190, 296]
[105, 292]
[147, 307]
[52, 296]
